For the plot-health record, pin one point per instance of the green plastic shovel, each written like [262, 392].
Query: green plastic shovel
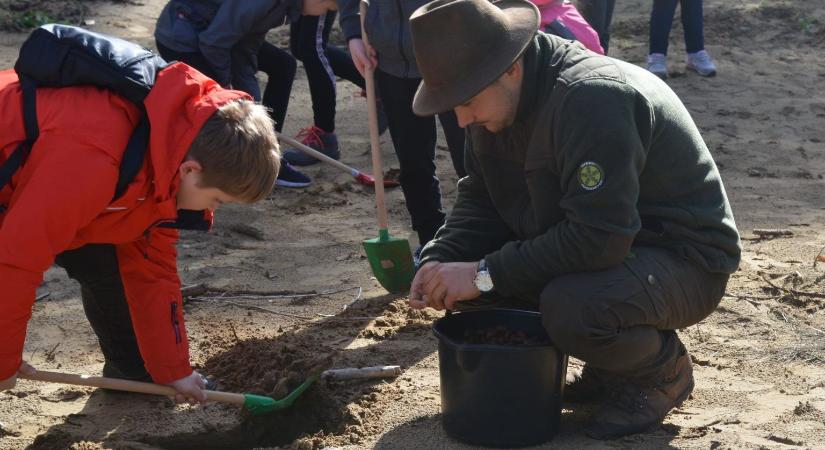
[390, 258]
[255, 404]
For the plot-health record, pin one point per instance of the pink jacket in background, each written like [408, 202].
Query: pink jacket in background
[567, 15]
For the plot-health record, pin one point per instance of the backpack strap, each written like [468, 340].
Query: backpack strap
[21, 153]
[133, 156]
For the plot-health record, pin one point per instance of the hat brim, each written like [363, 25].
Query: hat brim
[524, 21]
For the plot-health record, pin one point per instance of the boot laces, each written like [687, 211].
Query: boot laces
[629, 398]
[310, 136]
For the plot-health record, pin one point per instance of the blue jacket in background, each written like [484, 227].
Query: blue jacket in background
[228, 33]
[388, 31]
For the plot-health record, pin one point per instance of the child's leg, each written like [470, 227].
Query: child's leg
[280, 67]
[95, 266]
[661, 19]
[196, 60]
[599, 14]
[308, 42]
[455, 140]
[414, 140]
[693, 24]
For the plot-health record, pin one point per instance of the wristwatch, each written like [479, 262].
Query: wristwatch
[483, 280]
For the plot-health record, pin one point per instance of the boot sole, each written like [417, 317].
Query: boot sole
[702, 74]
[292, 184]
[676, 403]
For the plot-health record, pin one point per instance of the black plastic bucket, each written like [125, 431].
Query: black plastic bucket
[499, 395]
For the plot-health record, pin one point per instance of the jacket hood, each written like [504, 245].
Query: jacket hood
[179, 104]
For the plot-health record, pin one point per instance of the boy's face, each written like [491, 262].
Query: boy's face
[191, 195]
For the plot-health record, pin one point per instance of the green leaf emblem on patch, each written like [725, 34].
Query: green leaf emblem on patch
[591, 176]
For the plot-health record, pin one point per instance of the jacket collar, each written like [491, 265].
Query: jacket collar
[541, 68]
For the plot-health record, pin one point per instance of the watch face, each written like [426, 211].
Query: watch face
[484, 282]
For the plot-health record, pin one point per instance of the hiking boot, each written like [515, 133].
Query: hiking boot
[589, 385]
[317, 139]
[702, 63]
[657, 64]
[633, 408]
[289, 176]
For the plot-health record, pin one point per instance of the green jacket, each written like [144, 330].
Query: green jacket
[602, 156]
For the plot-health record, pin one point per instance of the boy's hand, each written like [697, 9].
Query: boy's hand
[363, 55]
[318, 7]
[11, 381]
[190, 389]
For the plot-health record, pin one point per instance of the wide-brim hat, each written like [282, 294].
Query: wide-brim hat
[463, 46]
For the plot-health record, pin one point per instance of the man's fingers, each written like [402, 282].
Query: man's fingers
[417, 304]
[449, 303]
[429, 303]
[437, 296]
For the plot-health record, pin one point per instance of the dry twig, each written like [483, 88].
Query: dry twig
[771, 233]
[258, 308]
[198, 291]
[793, 291]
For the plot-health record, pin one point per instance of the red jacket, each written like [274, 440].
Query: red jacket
[61, 199]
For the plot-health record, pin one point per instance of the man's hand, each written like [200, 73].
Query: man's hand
[190, 389]
[363, 55]
[11, 381]
[442, 285]
[318, 7]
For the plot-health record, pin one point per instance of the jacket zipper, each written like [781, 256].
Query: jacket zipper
[401, 40]
[175, 323]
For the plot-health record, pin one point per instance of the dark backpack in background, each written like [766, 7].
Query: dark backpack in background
[60, 56]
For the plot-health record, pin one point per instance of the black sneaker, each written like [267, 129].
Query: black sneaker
[589, 385]
[289, 176]
[317, 139]
[634, 409]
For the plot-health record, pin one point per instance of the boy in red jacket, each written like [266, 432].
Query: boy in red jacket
[207, 146]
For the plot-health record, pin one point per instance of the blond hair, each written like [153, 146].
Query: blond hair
[238, 151]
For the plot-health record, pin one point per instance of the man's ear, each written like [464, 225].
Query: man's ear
[190, 166]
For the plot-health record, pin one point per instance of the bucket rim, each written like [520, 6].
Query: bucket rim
[463, 346]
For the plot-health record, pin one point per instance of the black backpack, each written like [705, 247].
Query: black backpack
[61, 55]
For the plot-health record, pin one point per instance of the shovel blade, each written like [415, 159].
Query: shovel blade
[259, 404]
[391, 262]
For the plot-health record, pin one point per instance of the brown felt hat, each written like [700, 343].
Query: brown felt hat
[463, 46]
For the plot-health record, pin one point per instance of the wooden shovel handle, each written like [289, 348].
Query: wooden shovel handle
[125, 385]
[316, 154]
[375, 147]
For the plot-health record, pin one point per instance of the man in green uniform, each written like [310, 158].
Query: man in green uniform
[590, 194]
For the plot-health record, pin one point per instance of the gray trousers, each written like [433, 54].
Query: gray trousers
[622, 319]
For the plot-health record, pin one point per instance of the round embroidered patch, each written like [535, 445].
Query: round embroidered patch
[591, 175]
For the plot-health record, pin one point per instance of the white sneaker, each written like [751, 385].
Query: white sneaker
[701, 63]
[657, 64]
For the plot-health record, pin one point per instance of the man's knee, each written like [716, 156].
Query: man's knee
[566, 317]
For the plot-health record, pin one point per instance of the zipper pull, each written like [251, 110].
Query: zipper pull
[175, 323]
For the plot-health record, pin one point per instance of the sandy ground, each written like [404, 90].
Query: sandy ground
[760, 358]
